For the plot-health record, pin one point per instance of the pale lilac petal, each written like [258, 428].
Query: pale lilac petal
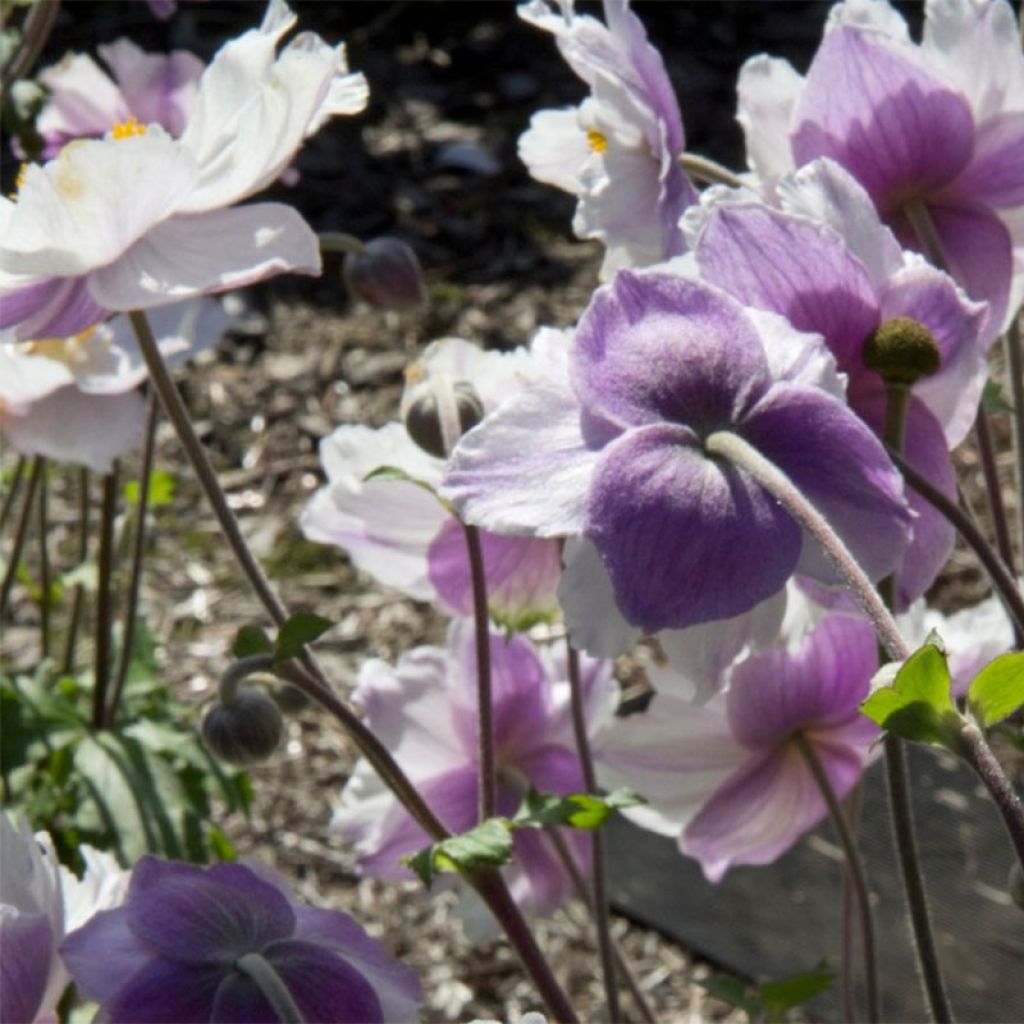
[26, 953]
[797, 356]
[878, 113]
[83, 103]
[861, 494]
[877, 16]
[995, 175]
[25, 378]
[555, 148]
[539, 883]
[685, 539]
[501, 478]
[767, 91]
[197, 254]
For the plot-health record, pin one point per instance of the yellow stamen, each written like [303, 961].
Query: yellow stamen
[62, 350]
[127, 129]
[19, 180]
[597, 141]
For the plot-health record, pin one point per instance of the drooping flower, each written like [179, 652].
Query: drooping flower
[40, 900]
[619, 150]
[727, 777]
[425, 710]
[615, 452]
[76, 400]
[399, 532]
[138, 220]
[827, 263]
[936, 128]
[194, 944]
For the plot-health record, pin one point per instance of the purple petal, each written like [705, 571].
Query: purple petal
[652, 347]
[55, 308]
[164, 992]
[195, 915]
[795, 267]
[892, 124]
[842, 468]
[822, 684]
[685, 539]
[103, 953]
[26, 956]
[995, 175]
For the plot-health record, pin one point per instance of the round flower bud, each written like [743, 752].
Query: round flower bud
[438, 411]
[1016, 885]
[386, 274]
[901, 351]
[244, 730]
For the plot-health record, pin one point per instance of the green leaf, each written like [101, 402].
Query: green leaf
[220, 846]
[997, 690]
[779, 996]
[732, 991]
[251, 640]
[992, 398]
[578, 810]
[161, 490]
[490, 843]
[300, 629]
[918, 705]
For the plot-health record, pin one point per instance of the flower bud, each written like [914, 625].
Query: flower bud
[438, 411]
[386, 274]
[245, 729]
[901, 351]
[1016, 885]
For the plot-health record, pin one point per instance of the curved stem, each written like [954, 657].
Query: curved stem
[138, 555]
[271, 986]
[44, 563]
[600, 896]
[13, 486]
[968, 529]
[39, 22]
[20, 535]
[708, 171]
[340, 241]
[855, 867]
[732, 447]
[1015, 363]
[78, 598]
[104, 611]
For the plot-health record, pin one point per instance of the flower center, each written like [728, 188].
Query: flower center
[63, 350]
[597, 141]
[127, 129]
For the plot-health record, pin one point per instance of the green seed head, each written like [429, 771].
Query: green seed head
[901, 351]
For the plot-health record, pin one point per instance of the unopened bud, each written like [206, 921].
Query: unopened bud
[1016, 885]
[438, 411]
[901, 351]
[386, 274]
[245, 729]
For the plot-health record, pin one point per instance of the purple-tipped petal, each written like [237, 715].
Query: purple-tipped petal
[165, 992]
[685, 539]
[842, 468]
[103, 953]
[53, 308]
[995, 174]
[26, 954]
[891, 123]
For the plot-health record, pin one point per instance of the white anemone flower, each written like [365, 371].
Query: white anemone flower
[138, 219]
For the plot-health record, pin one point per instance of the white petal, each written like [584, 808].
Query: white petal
[25, 379]
[555, 148]
[875, 15]
[797, 356]
[768, 88]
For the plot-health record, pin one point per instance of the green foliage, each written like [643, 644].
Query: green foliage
[993, 400]
[161, 490]
[250, 640]
[997, 690]
[772, 1001]
[918, 706]
[580, 810]
[298, 630]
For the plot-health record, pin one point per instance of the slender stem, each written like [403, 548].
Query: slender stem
[78, 597]
[44, 563]
[39, 22]
[968, 529]
[732, 447]
[20, 535]
[271, 986]
[104, 603]
[855, 867]
[980, 757]
[340, 241]
[138, 556]
[1015, 362]
[488, 786]
[708, 171]
[846, 945]
[600, 896]
[12, 490]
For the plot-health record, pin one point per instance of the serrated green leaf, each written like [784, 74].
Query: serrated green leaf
[161, 490]
[918, 705]
[998, 689]
[578, 810]
[300, 629]
[251, 640]
[777, 997]
[490, 843]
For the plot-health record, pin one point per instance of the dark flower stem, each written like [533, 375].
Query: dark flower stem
[13, 487]
[131, 610]
[310, 678]
[35, 31]
[708, 172]
[272, 987]
[20, 536]
[599, 900]
[78, 596]
[1015, 361]
[104, 603]
[846, 940]
[44, 563]
[855, 869]
[488, 769]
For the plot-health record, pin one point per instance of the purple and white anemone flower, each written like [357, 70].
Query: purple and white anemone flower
[934, 129]
[827, 263]
[85, 102]
[197, 944]
[76, 399]
[424, 709]
[40, 901]
[615, 451]
[138, 219]
[401, 533]
[727, 777]
[618, 152]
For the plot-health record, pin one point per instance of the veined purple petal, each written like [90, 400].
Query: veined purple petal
[793, 266]
[166, 992]
[103, 953]
[652, 347]
[54, 308]
[773, 693]
[995, 175]
[839, 464]
[685, 539]
[26, 955]
[895, 126]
